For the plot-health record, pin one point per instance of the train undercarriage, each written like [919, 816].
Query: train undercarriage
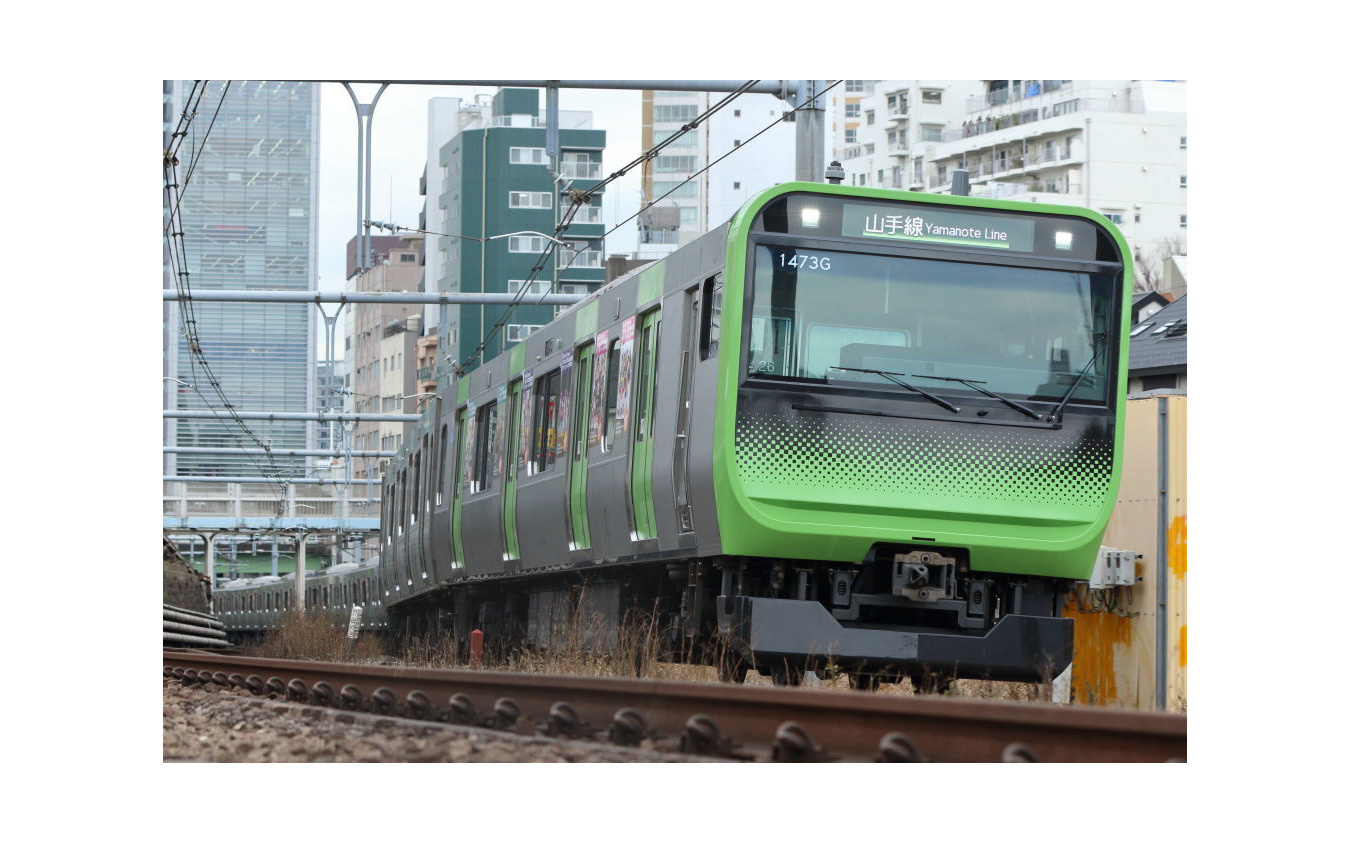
[919, 613]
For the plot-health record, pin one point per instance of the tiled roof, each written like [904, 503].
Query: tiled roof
[1151, 351]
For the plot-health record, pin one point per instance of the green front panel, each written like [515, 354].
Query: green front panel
[456, 480]
[509, 490]
[644, 514]
[831, 488]
[581, 412]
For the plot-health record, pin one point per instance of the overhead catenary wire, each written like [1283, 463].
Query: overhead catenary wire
[710, 165]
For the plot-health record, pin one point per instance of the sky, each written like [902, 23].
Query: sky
[398, 155]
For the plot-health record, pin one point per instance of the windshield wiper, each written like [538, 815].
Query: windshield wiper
[975, 385]
[889, 376]
[1058, 413]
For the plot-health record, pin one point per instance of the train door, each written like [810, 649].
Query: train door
[689, 342]
[512, 546]
[581, 413]
[644, 515]
[457, 480]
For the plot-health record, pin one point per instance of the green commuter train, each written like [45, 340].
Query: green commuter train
[852, 427]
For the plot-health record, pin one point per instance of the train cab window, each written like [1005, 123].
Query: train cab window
[485, 449]
[611, 396]
[710, 331]
[544, 424]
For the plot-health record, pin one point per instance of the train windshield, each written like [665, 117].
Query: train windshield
[824, 315]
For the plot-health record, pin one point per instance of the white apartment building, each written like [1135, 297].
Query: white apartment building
[1116, 146]
[886, 130]
[709, 199]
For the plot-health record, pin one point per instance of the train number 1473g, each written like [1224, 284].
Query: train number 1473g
[804, 262]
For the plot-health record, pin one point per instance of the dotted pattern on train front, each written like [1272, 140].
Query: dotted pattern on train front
[816, 454]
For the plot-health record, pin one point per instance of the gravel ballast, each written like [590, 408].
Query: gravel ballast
[215, 724]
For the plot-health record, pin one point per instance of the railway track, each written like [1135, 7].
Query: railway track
[739, 722]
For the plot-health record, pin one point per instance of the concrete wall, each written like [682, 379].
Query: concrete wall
[1115, 630]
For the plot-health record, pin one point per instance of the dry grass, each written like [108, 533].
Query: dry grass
[314, 636]
[577, 650]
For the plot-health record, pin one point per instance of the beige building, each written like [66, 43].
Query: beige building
[379, 350]
[398, 379]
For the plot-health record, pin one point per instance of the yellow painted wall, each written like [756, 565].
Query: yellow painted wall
[1115, 630]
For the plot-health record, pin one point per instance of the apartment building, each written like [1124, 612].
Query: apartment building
[497, 179]
[1116, 146]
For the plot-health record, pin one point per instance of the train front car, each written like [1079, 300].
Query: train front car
[924, 444]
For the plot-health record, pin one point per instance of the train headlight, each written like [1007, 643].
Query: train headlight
[811, 218]
[1063, 240]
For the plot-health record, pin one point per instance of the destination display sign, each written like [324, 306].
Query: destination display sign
[930, 225]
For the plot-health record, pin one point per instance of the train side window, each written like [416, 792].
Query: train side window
[611, 396]
[416, 487]
[544, 423]
[401, 503]
[444, 453]
[485, 448]
[710, 331]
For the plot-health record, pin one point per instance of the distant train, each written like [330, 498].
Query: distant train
[863, 427]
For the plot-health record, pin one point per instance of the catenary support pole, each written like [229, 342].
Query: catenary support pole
[1161, 568]
[210, 570]
[299, 570]
[810, 131]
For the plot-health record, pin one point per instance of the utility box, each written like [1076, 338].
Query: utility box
[1115, 567]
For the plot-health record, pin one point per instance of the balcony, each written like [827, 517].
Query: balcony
[580, 170]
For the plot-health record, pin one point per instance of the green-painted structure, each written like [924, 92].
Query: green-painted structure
[487, 168]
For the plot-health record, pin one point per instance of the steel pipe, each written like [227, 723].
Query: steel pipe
[276, 452]
[289, 416]
[403, 298]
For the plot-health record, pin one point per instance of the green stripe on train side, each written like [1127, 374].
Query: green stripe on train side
[651, 283]
[587, 319]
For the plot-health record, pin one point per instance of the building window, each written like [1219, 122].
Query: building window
[676, 164]
[675, 113]
[932, 97]
[850, 136]
[931, 133]
[735, 185]
[1183, 141]
[526, 243]
[407, 258]
[530, 199]
[1183, 181]
[871, 117]
[735, 143]
[852, 110]
[853, 86]
[686, 190]
[1114, 216]
[527, 155]
[862, 179]
[1183, 221]
[537, 288]
[515, 333]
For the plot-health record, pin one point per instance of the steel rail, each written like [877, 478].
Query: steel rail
[780, 723]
